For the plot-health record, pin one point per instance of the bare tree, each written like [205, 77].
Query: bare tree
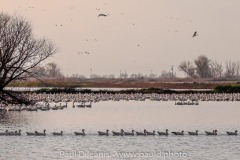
[166, 74]
[53, 71]
[203, 67]
[237, 68]
[232, 69]
[187, 67]
[216, 69]
[20, 51]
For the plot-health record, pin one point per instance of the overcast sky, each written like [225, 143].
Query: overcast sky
[136, 36]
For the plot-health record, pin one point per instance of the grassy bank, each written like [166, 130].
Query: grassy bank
[122, 83]
[125, 91]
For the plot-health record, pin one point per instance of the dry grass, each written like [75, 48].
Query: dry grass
[175, 83]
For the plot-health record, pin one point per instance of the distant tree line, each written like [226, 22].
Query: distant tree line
[203, 67]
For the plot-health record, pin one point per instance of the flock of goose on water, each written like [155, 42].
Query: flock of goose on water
[114, 133]
[85, 100]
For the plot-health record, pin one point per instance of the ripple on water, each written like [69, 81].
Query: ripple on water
[130, 115]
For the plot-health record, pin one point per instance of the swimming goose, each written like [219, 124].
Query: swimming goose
[58, 134]
[193, 133]
[55, 107]
[178, 133]
[214, 132]
[60, 107]
[118, 133]
[129, 133]
[31, 133]
[103, 133]
[81, 105]
[232, 133]
[40, 134]
[163, 133]
[89, 105]
[141, 133]
[150, 133]
[16, 133]
[80, 133]
[64, 106]
[4, 133]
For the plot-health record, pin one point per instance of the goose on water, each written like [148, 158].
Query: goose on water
[193, 133]
[129, 133]
[89, 105]
[80, 133]
[16, 133]
[40, 134]
[58, 133]
[214, 132]
[11, 132]
[163, 133]
[141, 133]
[103, 133]
[118, 133]
[55, 107]
[65, 106]
[81, 105]
[31, 133]
[178, 133]
[232, 133]
[150, 133]
[4, 133]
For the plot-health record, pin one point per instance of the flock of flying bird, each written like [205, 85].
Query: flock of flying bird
[121, 133]
[99, 15]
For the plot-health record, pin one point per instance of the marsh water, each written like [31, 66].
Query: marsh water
[127, 115]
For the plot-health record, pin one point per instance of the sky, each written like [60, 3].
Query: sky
[138, 36]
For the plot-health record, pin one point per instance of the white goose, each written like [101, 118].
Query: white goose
[89, 105]
[65, 106]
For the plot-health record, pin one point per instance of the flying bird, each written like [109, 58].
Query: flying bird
[103, 15]
[195, 34]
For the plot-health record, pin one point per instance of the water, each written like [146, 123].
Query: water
[93, 89]
[77, 88]
[137, 115]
